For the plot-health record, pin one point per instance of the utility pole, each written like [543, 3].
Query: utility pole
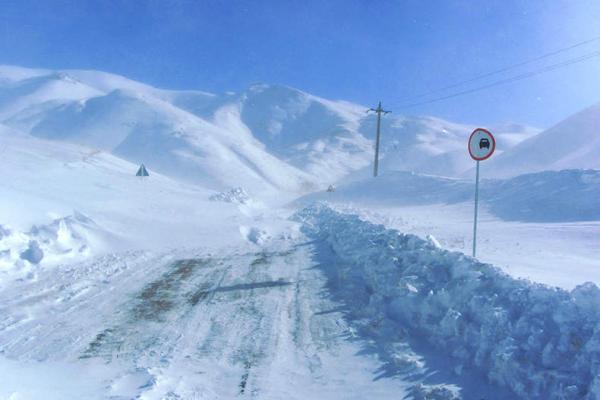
[378, 110]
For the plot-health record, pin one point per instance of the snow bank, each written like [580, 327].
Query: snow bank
[68, 238]
[538, 341]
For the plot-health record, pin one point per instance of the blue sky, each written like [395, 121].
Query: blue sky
[362, 51]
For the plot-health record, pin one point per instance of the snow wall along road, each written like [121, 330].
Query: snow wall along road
[539, 342]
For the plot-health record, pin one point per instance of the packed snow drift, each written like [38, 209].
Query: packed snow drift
[540, 342]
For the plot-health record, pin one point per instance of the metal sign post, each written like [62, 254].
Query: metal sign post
[476, 208]
[481, 147]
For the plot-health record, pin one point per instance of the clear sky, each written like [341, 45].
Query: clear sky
[361, 51]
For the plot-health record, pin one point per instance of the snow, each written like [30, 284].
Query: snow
[135, 122]
[194, 283]
[541, 226]
[572, 143]
[270, 136]
[210, 323]
[235, 195]
[76, 203]
[540, 342]
[549, 196]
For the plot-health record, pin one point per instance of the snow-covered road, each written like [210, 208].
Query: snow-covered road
[333, 307]
[187, 325]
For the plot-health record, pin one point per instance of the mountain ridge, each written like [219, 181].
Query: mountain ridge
[267, 137]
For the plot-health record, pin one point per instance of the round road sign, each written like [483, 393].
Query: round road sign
[481, 144]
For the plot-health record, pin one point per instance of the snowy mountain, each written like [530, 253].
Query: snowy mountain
[62, 202]
[134, 122]
[267, 138]
[433, 146]
[573, 143]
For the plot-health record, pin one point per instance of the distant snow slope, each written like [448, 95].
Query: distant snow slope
[268, 138]
[433, 146]
[550, 196]
[573, 143]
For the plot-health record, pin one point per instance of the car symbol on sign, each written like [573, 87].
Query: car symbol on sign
[485, 142]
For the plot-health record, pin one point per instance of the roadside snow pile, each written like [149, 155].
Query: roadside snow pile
[235, 195]
[538, 341]
[64, 238]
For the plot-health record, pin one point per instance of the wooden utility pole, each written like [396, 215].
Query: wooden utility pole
[378, 110]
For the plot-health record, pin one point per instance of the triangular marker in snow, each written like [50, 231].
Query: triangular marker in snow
[142, 171]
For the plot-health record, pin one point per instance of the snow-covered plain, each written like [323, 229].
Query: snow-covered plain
[217, 277]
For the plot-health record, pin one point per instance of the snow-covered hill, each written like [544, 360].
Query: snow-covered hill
[434, 146]
[268, 138]
[138, 123]
[62, 202]
[573, 143]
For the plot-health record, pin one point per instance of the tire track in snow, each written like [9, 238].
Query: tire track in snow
[145, 328]
[199, 309]
[46, 325]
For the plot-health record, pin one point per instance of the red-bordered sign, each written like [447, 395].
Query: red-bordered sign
[481, 144]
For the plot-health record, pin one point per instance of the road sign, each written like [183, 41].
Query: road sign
[481, 144]
[481, 147]
[142, 171]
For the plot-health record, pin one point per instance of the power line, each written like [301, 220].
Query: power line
[530, 74]
[503, 69]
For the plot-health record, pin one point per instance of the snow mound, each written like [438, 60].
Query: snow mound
[131, 385]
[538, 341]
[63, 239]
[235, 195]
[255, 235]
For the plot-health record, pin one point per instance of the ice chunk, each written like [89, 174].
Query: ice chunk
[34, 253]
